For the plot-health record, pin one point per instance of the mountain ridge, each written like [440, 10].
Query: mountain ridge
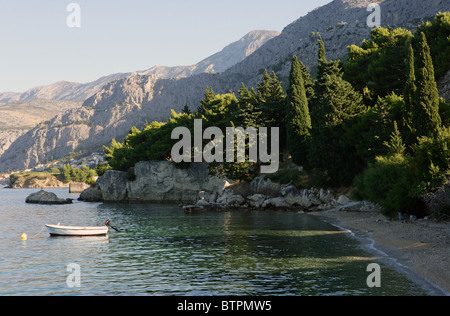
[216, 63]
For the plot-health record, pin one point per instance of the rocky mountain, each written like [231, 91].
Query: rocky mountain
[63, 90]
[20, 112]
[217, 63]
[133, 100]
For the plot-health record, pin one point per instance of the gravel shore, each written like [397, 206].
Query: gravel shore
[422, 246]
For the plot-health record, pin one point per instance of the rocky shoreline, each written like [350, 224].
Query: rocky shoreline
[419, 247]
[162, 182]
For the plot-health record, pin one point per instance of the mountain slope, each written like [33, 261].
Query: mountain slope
[133, 100]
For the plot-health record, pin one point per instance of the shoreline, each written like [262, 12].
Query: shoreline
[420, 249]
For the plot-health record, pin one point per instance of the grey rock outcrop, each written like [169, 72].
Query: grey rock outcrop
[159, 181]
[91, 195]
[49, 198]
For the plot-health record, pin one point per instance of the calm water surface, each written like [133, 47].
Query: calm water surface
[162, 251]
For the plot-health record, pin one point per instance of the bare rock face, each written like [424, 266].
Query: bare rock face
[91, 195]
[444, 86]
[43, 197]
[159, 181]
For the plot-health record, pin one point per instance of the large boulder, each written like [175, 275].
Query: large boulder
[43, 197]
[231, 199]
[91, 195]
[256, 200]
[113, 185]
[261, 185]
[160, 181]
[278, 202]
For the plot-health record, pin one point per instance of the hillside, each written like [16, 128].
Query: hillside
[133, 100]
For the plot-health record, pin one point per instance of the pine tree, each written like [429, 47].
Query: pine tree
[209, 96]
[298, 120]
[250, 112]
[186, 109]
[271, 100]
[425, 109]
[395, 146]
[263, 88]
[275, 106]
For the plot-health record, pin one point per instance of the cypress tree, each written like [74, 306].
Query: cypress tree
[334, 105]
[425, 109]
[409, 96]
[322, 54]
[298, 120]
[309, 87]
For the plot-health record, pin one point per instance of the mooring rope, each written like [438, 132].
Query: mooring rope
[43, 227]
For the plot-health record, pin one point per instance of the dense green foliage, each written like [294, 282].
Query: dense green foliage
[376, 121]
[51, 176]
[377, 67]
[437, 33]
[82, 174]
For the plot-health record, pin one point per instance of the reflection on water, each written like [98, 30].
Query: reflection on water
[162, 251]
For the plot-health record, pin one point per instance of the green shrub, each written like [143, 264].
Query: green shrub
[385, 182]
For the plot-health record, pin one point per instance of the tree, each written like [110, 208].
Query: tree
[334, 105]
[425, 109]
[186, 109]
[298, 120]
[409, 96]
[271, 99]
[250, 111]
[322, 54]
[209, 96]
[309, 87]
[395, 146]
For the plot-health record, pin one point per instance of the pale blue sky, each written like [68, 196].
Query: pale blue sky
[38, 48]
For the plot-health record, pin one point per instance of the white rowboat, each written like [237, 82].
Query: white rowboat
[57, 230]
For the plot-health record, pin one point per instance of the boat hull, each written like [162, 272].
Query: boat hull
[56, 230]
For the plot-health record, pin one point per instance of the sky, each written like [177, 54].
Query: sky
[38, 46]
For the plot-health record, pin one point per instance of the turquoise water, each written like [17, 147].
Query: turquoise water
[162, 251]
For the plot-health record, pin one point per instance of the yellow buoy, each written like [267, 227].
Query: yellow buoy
[24, 236]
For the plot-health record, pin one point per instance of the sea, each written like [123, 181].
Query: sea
[161, 251]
